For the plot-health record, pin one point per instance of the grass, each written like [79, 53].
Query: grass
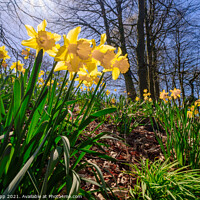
[165, 180]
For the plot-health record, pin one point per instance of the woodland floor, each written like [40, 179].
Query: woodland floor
[140, 144]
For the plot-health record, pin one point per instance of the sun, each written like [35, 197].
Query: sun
[38, 8]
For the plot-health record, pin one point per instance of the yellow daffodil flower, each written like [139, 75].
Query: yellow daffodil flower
[150, 100]
[145, 90]
[72, 65]
[40, 85]
[48, 83]
[88, 78]
[189, 114]
[107, 92]
[41, 80]
[137, 99]
[4, 64]
[113, 100]
[146, 98]
[103, 84]
[85, 77]
[42, 39]
[80, 48]
[164, 95]
[146, 94]
[41, 73]
[99, 51]
[175, 93]
[26, 53]
[197, 102]
[94, 75]
[194, 109]
[113, 62]
[3, 53]
[119, 64]
[18, 66]
[107, 58]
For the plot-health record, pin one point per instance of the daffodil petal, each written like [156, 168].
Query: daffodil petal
[30, 31]
[51, 53]
[105, 48]
[12, 66]
[62, 54]
[121, 63]
[66, 41]
[103, 39]
[56, 37]
[107, 70]
[42, 26]
[72, 35]
[71, 74]
[91, 66]
[115, 73]
[60, 66]
[30, 43]
[119, 52]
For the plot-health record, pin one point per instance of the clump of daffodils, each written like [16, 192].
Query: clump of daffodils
[147, 95]
[3, 53]
[26, 53]
[3, 56]
[50, 82]
[18, 66]
[175, 93]
[81, 56]
[193, 110]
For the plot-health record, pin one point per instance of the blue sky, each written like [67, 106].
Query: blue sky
[15, 16]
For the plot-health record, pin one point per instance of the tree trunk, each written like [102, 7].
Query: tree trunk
[165, 77]
[149, 54]
[142, 69]
[128, 78]
[156, 76]
[180, 74]
[106, 24]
